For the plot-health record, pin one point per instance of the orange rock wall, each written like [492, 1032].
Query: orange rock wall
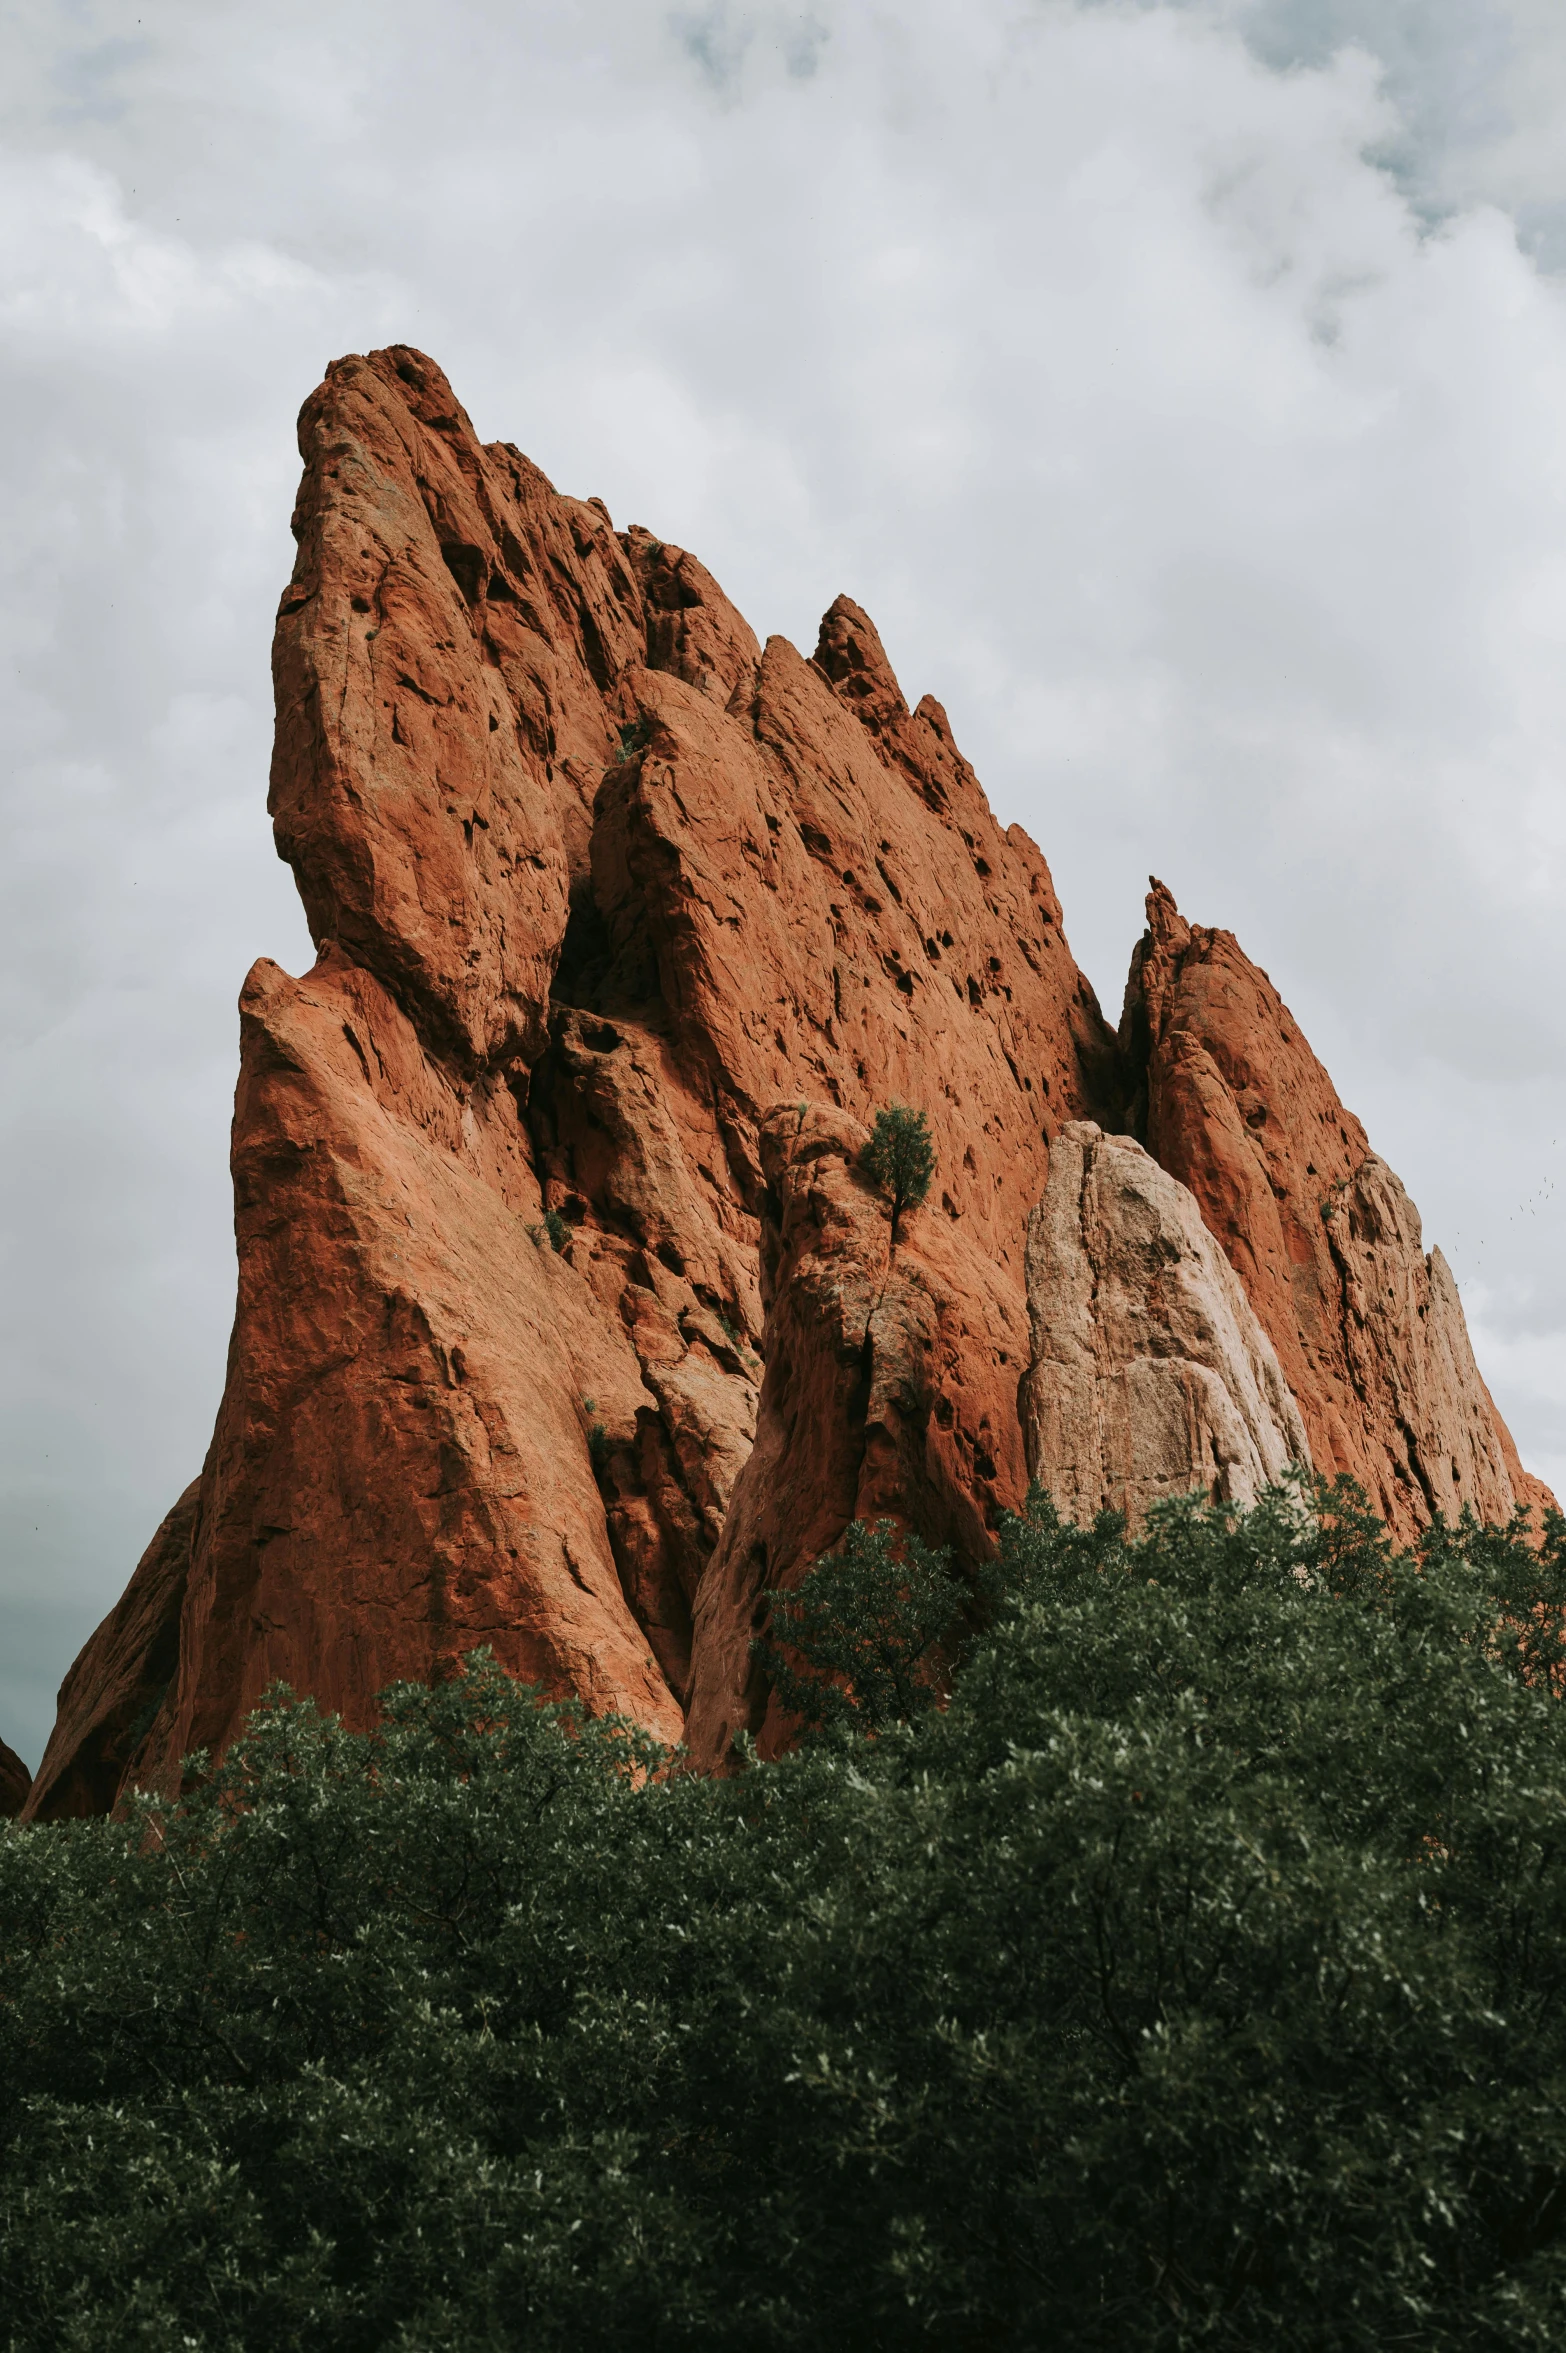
[1368, 1329]
[597, 884]
[566, 1321]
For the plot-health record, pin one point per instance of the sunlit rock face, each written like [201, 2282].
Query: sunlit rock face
[1150, 1374]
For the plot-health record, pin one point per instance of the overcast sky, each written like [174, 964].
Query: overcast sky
[1181, 387]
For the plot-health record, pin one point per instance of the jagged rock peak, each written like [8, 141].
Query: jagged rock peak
[597, 885]
[1368, 1328]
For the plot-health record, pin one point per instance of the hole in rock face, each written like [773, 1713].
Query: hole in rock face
[599, 1036]
[466, 565]
[585, 953]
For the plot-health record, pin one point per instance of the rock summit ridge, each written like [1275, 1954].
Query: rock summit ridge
[567, 1321]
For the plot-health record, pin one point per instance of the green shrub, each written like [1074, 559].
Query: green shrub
[635, 736]
[900, 1157]
[855, 1644]
[1192, 1978]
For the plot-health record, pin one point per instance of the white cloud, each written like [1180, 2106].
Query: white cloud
[1169, 381]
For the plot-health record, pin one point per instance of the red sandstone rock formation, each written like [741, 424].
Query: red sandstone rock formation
[1368, 1329]
[15, 1781]
[596, 882]
[625, 926]
[890, 1392]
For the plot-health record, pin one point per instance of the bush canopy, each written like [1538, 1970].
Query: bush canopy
[900, 1157]
[1193, 1977]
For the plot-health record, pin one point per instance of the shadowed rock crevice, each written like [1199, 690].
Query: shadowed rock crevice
[889, 1392]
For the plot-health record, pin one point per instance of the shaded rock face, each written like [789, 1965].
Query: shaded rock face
[1150, 1375]
[597, 883]
[1368, 1329]
[118, 1685]
[15, 1782]
[890, 1393]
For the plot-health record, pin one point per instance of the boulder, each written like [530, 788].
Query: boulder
[1150, 1374]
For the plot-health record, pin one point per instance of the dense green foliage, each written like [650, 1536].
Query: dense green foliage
[856, 1643]
[1192, 1978]
[900, 1157]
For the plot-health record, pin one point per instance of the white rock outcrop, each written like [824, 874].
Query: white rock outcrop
[1150, 1373]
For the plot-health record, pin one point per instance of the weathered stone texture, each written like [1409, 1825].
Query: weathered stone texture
[1368, 1329]
[1150, 1375]
[890, 1393]
[595, 882]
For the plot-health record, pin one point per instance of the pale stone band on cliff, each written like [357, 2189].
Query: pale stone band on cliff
[1151, 1376]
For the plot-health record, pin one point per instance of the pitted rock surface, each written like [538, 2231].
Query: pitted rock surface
[595, 881]
[1368, 1328]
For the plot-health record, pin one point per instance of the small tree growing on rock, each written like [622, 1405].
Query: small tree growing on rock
[901, 1157]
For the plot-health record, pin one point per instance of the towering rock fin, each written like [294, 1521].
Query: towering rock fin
[596, 882]
[1368, 1328]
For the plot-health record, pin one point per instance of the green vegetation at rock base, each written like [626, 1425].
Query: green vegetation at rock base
[1192, 1977]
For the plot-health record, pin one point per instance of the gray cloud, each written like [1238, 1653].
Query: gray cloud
[1170, 382]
